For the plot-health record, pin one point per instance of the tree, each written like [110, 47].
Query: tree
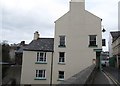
[5, 52]
[5, 57]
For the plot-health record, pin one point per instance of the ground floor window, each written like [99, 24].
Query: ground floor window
[61, 75]
[40, 74]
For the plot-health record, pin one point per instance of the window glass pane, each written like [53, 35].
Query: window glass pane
[44, 73]
[59, 59]
[92, 40]
[41, 58]
[103, 42]
[40, 73]
[93, 37]
[62, 59]
[61, 74]
[45, 57]
[61, 54]
[45, 54]
[41, 54]
[62, 40]
[36, 73]
[37, 56]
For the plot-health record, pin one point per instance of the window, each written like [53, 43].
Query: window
[92, 40]
[41, 56]
[61, 57]
[62, 41]
[61, 75]
[40, 74]
[103, 42]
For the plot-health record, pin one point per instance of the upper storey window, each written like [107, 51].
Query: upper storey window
[92, 40]
[62, 41]
[41, 56]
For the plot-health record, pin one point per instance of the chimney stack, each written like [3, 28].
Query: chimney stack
[77, 5]
[36, 35]
[77, 0]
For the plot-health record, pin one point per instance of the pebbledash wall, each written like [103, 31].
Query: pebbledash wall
[76, 25]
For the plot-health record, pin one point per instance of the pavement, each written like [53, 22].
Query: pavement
[108, 76]
[100, 78]
[113, 73]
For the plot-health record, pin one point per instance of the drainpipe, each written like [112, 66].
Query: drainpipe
[51, 70]
[100, 61]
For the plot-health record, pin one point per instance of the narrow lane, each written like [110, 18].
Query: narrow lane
[102, 79]
[113, 73]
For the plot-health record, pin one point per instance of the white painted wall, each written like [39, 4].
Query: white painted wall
[29, 68]
[76, 25]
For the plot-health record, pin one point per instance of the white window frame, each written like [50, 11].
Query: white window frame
[40, 74]
[62, 42]
[61, 58]
[93, 40]
[41, 58]
[61, 75]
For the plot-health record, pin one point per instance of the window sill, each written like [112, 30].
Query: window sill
[93, 46]
[60, 80]
[62, 46]
[61, 63]
[40, 62]
[40, 79]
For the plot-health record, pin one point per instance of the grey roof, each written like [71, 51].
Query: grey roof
[20, 50]
[115, 35]
[41, 44]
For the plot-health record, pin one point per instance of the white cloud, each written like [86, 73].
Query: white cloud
[27, 16]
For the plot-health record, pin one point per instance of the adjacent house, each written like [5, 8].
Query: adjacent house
[116, 47]
[114, 44]
[19, 53]
[37, 61]
[77, 44]
[16, 52]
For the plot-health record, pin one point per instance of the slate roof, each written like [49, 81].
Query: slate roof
[41, 44]
[20, 50]
[115, 35]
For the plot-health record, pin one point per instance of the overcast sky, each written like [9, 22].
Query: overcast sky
[21, 18]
